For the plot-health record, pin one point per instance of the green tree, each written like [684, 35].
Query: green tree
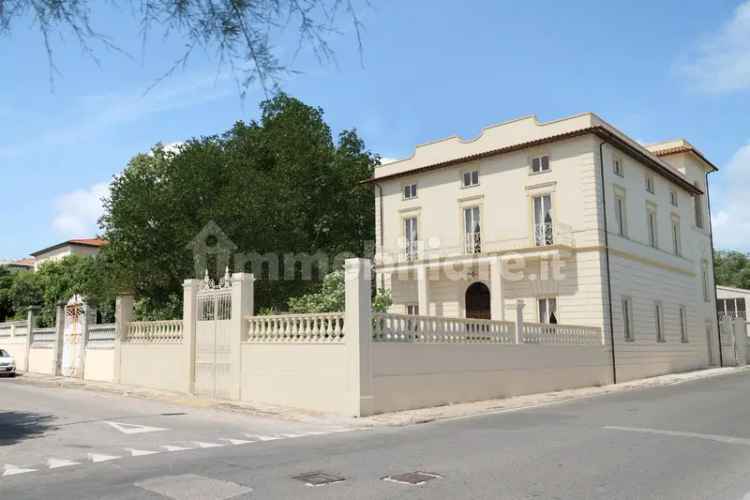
[87, 276]
[331, 297]
[6, 303]
[280, 185]
[732, 268]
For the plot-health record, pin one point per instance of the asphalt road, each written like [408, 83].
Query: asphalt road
[676, 442]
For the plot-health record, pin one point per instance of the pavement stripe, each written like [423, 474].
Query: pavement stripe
[96, 458]
[203, 444]
[140, 453]
[12, 470]
[56, 463]
[263, 438]
[170, 447]
[236, 442]
[709, 437]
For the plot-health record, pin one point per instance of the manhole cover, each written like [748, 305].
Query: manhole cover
[413, 478]
[318, 478]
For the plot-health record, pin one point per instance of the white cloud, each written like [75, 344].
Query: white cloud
[731, 218]
[721, 63]
[78, 212]
[384, 160]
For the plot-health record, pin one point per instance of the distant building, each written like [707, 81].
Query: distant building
[732, 302]
[15, 266]
[90, 246]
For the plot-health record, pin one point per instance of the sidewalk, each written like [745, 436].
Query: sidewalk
[402, 418]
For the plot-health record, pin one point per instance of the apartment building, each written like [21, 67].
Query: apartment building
[87, 246]
[574, 220]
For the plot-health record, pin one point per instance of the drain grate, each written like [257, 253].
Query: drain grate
[413, 478]
[318, 478]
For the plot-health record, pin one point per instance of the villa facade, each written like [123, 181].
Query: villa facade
[573, 219]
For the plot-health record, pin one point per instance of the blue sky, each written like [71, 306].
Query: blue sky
[656, 70]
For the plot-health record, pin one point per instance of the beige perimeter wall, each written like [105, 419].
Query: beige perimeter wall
[158, 366]
[41, 360]
[100, 364]
[408, 376]
[311, 376]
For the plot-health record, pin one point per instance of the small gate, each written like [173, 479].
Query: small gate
[70, 364]
[213, 350]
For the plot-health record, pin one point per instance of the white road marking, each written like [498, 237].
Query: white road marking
[140, 453]
[96, 458]
[56, 463]
[292, 436]
[170, 447]
[134, 428]
[263, 438]
[12, 470]
[709, 437]
[202, 444]
[236, 442]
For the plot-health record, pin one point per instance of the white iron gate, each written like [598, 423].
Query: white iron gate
[213, 350]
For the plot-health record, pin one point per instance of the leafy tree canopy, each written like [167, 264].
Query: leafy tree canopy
[280, 185]
[732, 268]
[331, 297]
[88, 276]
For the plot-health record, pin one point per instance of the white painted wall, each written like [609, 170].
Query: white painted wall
[157, 366]
[99, 365]
[310, 376]
[408, 376]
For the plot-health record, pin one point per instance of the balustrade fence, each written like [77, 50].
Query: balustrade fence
[154, 332]
[101, 336]
[296, 328]
[438, 330]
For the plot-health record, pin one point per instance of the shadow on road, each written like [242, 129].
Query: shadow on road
[16, 426]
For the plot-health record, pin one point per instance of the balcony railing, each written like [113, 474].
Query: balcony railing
[550, 234]
[472, 243]
[411, 250]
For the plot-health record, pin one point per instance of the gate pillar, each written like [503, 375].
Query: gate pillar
[189, 317]
[243, 303]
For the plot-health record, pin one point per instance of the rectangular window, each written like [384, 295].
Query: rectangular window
[540, 164]
[652, 228]
[659, 322]
[618, 168]
[650, 184]
[683, 325]
[627, 319]
[731, 308]
[410, 191]
[472, 230]
[676, 240]
[698, 211]
[620, 215]
[548, 310]
[543, 224]
[410, 235]
[471, 178]
[706, 287]
[673, 198]
[412, 309]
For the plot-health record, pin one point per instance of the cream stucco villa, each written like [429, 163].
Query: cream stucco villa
[572, 217]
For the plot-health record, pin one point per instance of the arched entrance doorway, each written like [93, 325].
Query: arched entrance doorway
[478, 301]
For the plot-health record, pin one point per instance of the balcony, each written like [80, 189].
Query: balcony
[542, 239]
[551, 233]
[472, 243]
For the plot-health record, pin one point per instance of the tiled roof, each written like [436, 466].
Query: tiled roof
[83, 242]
